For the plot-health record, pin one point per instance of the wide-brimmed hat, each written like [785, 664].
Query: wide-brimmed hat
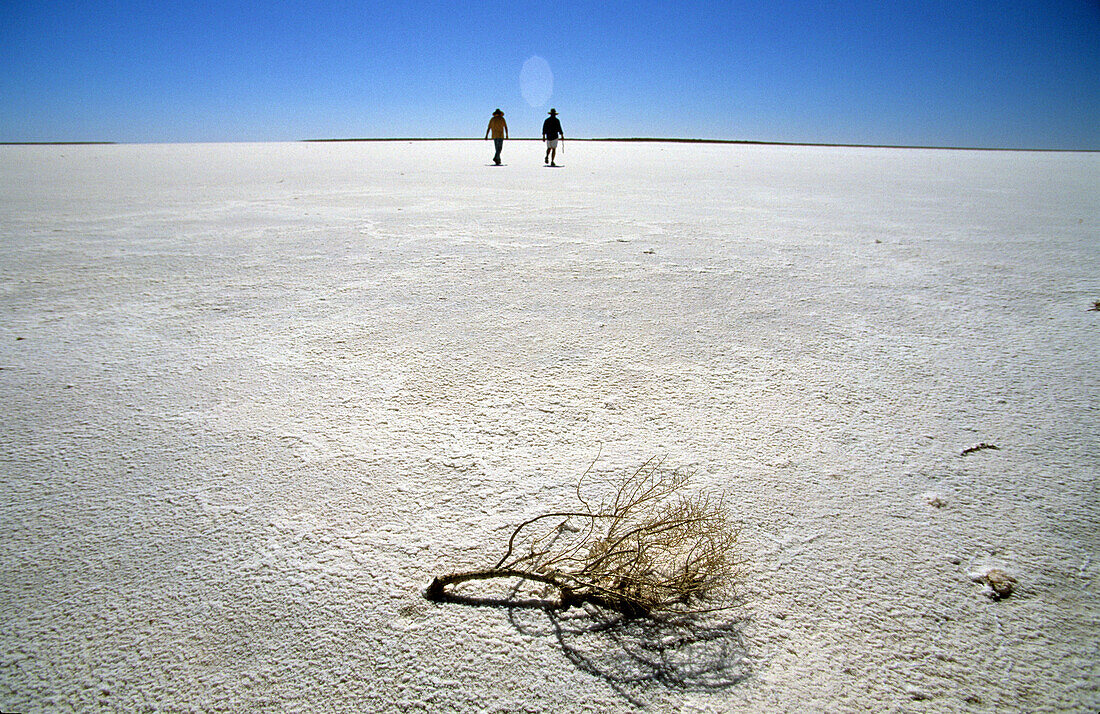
[498, 113]
[553, 111]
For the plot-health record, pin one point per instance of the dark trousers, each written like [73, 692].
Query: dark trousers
[499, 143]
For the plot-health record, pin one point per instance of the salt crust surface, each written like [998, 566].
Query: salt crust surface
[255, 396]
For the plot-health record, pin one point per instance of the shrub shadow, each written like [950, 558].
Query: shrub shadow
[690, 651]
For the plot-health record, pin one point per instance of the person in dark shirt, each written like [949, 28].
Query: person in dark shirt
[551, 130]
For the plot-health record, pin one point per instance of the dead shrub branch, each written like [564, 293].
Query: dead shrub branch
[649, 546]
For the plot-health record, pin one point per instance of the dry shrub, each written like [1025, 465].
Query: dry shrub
[649, 546]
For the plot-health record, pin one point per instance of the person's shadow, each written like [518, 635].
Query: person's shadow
[691, 651]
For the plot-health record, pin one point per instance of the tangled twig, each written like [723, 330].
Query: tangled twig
[649, 547]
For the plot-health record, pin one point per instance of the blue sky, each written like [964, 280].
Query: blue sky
[997, 73]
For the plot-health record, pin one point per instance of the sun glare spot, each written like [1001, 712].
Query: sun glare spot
[536, 81]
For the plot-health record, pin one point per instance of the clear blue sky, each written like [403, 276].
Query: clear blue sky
[998, 73]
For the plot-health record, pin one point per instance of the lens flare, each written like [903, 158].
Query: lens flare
[536, 81]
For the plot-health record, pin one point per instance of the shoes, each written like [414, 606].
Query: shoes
[546, 160]
[552, 163]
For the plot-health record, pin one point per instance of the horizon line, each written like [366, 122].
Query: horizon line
[633, 139]
[751, 142]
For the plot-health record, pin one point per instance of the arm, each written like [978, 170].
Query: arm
[505, 129]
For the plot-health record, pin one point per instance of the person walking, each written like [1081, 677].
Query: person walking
[551, 130]
[499, 127]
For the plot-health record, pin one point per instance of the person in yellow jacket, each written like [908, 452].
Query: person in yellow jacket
[499, 127]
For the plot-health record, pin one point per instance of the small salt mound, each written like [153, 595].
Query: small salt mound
[998, 582]
[934, 499]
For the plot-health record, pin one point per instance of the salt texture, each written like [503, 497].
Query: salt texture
[255, 396]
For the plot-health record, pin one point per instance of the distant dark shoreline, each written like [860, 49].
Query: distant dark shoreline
[58, 143]
[656, 140]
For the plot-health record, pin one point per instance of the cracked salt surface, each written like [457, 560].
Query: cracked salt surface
[256, 396]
